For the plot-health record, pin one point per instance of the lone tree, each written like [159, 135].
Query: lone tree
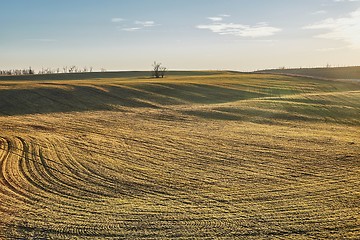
[158, 70]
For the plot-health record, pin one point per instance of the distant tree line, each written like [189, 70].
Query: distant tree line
[30, 71]
[328, 65]
[17, 72]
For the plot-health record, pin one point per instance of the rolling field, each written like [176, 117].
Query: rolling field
[348, 73]
[202, 155]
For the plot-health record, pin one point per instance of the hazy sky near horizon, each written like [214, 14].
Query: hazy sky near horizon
[182, 34]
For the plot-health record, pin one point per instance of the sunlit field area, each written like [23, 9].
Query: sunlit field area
[193, 155]
[348, 73]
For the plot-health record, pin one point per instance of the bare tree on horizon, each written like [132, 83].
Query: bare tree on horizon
[158, 70]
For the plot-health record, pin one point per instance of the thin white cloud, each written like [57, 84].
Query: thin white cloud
[215, 19]
[117, 20]
[219, 17]
[346, 29]
[132, 29]
[124, 25]
[241, 30]
[145, 23]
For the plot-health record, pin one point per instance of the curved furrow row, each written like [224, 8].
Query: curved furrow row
[104, 184]
[71, 183]
[265, 169]
[39, 176]
[179, 181]
[25, 180]
[29, 179]
[11, 177]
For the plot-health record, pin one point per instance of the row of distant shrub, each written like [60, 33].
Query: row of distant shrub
[30, 71]
[158, 70]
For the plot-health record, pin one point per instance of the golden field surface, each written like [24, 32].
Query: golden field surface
[202, 155]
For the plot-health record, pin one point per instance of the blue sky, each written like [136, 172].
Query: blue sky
[182, 34]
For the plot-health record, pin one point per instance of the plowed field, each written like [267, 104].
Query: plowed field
[217, 155]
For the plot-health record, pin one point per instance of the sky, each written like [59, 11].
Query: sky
[242, 35]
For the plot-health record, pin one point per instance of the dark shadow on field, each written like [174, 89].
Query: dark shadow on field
[69, 98]
[197, 93]
[74, 98]
[99, 75]
[87, 98]
[52, 100]
[272, 103]
[342, 110]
